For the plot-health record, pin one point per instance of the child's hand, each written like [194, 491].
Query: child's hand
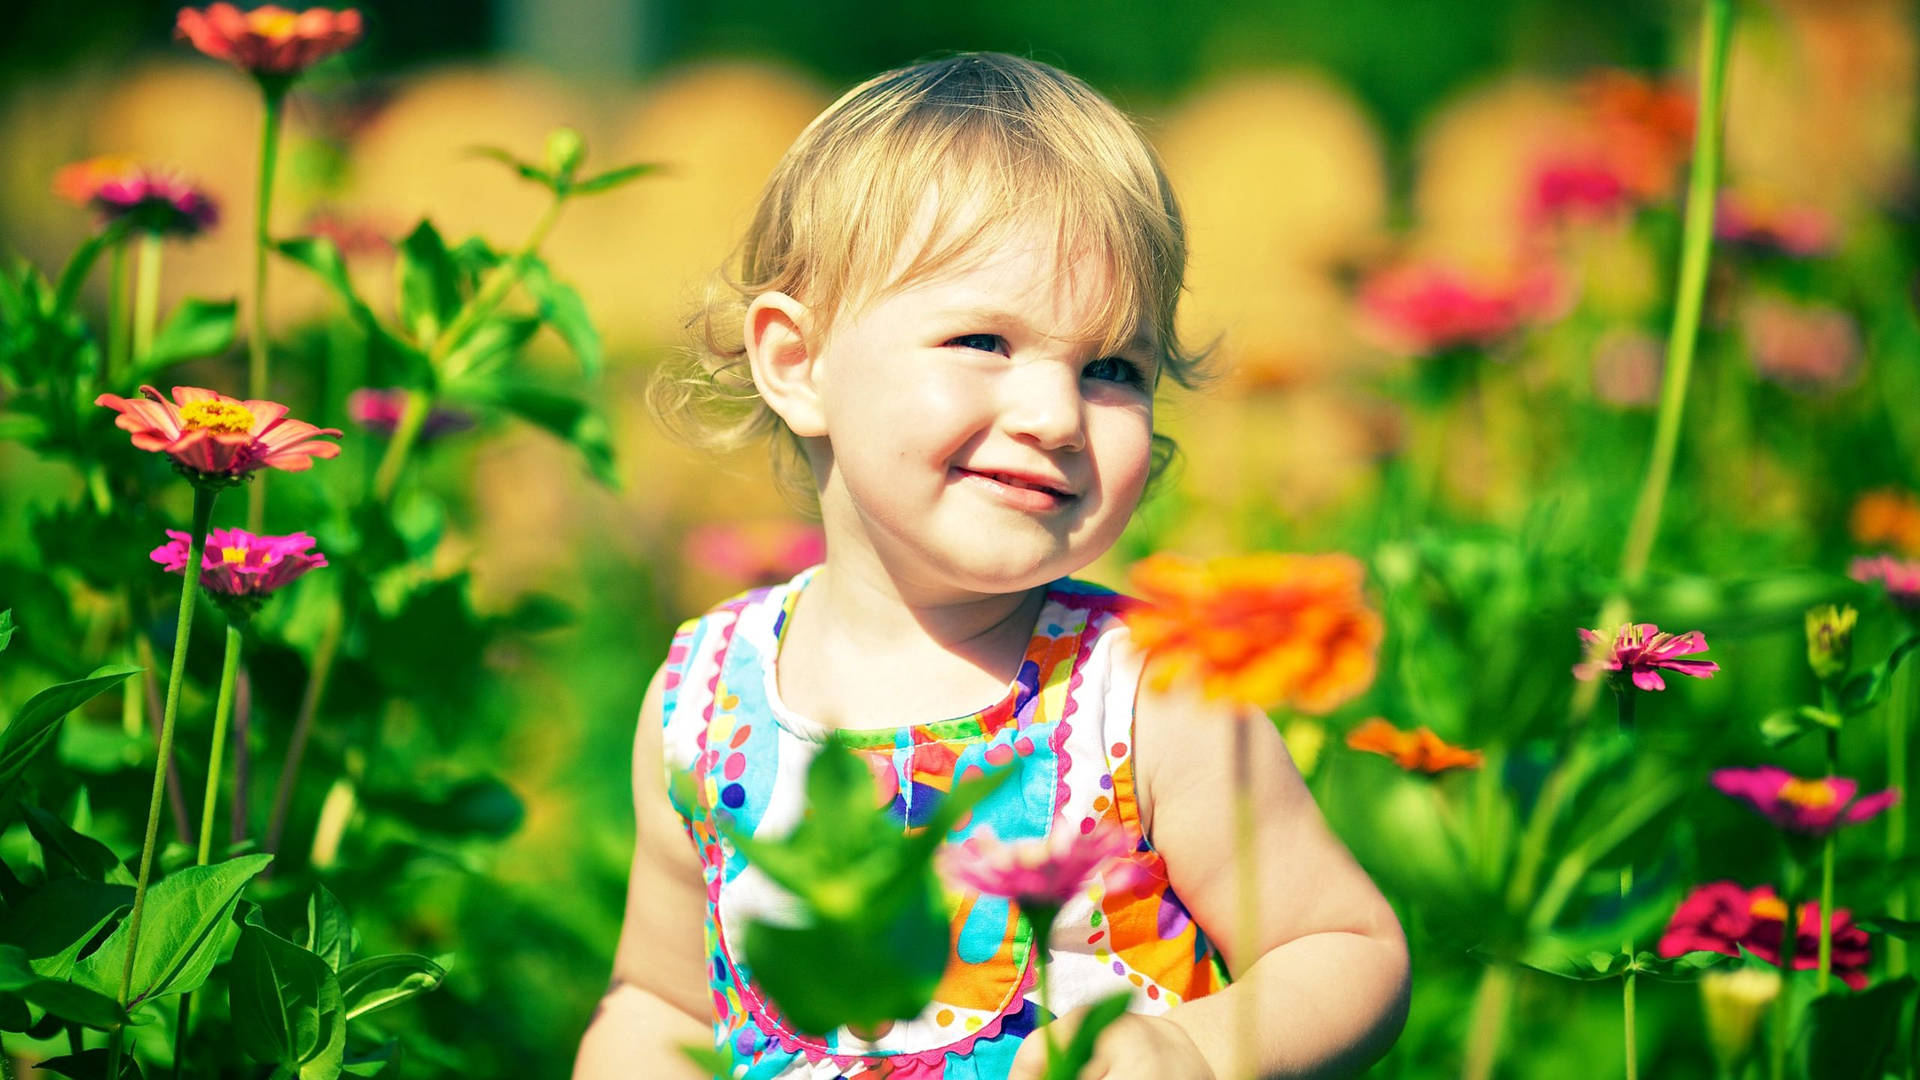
[1134, 1047]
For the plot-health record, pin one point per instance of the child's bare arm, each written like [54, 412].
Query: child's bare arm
[658, 998]
[1328, 963]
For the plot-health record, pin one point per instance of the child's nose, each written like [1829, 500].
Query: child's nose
[1044, 407]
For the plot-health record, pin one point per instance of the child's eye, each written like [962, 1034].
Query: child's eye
[1116, 369]
[983, 342]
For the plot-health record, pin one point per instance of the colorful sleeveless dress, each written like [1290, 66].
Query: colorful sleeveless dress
[1065, 725]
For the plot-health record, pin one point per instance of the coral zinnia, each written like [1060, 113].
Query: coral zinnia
[1722, 916]
[1043, 873]
[1428, 309]
[269, 40]
[1816, 807]
[239, 563]
[1266, 629]
[1901, 578]
[1419, 749]
[214, 436]
[1639, 650]
[118, 189]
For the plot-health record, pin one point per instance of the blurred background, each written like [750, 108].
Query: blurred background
[1520, 144]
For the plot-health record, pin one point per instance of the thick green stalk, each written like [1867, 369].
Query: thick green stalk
[146, 296]
[222, 713]
[1825, 975]
[1042, 933]
[1488, 1021]
[1696, 245]
[183, 632]
[116, 359]
[274, 98]
[1779, 1037]
[1897, 713]
[1246, 1011]
[1627, 698]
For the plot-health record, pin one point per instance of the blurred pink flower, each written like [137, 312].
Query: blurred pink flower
[1808, 347]
[1815, 807]
[239, 563]
[1759, 222]
[351, 235]
[211, 435]
[1722, 916]
[1576, 189]
[269, 40]
[379, 411]
[1901, 578]
[750, 556]
[118, 189]
[1043, 873]
[1423, 309]
[1639, 650]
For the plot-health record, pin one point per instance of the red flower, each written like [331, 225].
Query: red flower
[212, 435]
[1580, 190]
[1427, 309]
[117, 188]
[269, 40]
[1724, 917]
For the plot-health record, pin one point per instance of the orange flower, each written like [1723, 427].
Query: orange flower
[1888, 519]
[217, 438]
[1418, 749]
[1646, 129]
[1266, 629]
[270, 40]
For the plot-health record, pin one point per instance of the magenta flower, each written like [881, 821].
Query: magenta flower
[215, 437]
[118, 189]
[269, 40]
[379, 411]
[1900, 577]
[239, 563]
[747, 556]
[1758, 222]
[1427, 309]
[1816, 806]
[1639, 650]
[1578, 190]
[1723, 917]
[1042, 874]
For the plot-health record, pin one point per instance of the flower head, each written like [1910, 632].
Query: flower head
[214, 437]
[1427, 309]
[1265, 629]
[238, 564]
[1419, 749]
[1644, 128]
[1735, 1002]
[1900, 577]
[1725, 917]
[1888, 519]
[755, 556]
[118, 189]
[1830, 640]
[1576, 189]
[1044, 873]
[270, 40]
[1803, 347]
[1639, 651]
[379, 411]
[1757, 222]
[1816, 806]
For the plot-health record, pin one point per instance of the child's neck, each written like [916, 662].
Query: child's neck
[862, 653]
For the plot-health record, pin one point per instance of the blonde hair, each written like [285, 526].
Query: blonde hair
[997, 142]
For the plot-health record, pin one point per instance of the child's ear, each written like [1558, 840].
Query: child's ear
[782, 361]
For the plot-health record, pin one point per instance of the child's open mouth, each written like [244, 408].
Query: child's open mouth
[1018, 490]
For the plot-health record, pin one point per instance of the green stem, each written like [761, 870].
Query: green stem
[405, 434]
[1626, 1002]
[1246, 1012]
[146, 297]
[1897, 713]
[116, 360]
[181, 1019]
[1696, 245]
[274, 98]
[323, 655]
[1488, 1021]
[222, 714]
[183, 633]
[1041, 919]
[1779, 1037]
[1627, 698]
[1825, 974]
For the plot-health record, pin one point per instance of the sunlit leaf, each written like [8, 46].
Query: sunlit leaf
[380, 982]
[196, 329]
[429, 284]
[1079, 1049]
[286, 1005]
[561, 308]
[329, 931]
[567, 417]
[179, 934]
[612, 178]
[67, 1000]
[38, 721]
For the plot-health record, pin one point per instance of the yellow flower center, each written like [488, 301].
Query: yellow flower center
[233, 555]
[225, 417]
[272, 24]
[1769, 907]
[1807, 794]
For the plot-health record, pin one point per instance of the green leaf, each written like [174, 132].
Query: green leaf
[429, 284]
[195, 329]
[716, 1062]
[475, 806]
[404, 362]
[484, 349]
[561, 308]
[569, 418]
[1852, 1035]
[1683, 968]
[180, 932]
[1582, 967]
[612, 178]
[6, 628]
[54, 923]
[329, 931]
[91, 1065]
[66, 852]
[372, 1062]
[1079, 1050]
[38, 721]
[526, 171]
[1869, 688]
[74, 275]
[64, 999]
[380, 982]
[885, 963]
[1903, 929]
[286, 1005]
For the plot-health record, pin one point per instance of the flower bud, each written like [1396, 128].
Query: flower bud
[1735, 1002]
[1830, 641]
[565, 151]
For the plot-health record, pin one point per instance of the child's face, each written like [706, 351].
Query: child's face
[977, 439]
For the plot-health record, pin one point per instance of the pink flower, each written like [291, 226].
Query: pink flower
[1722, 917]
[1640, 650]
[1763, 223]
[1816, 806]
[1800, 346]
[1901, 578]
[379, 411]
[1427, 309]
[212, 435]
[238, 563]
[117, 188]
[1577, 190]
[1043, 873]
[269, 40]
[755, 556]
